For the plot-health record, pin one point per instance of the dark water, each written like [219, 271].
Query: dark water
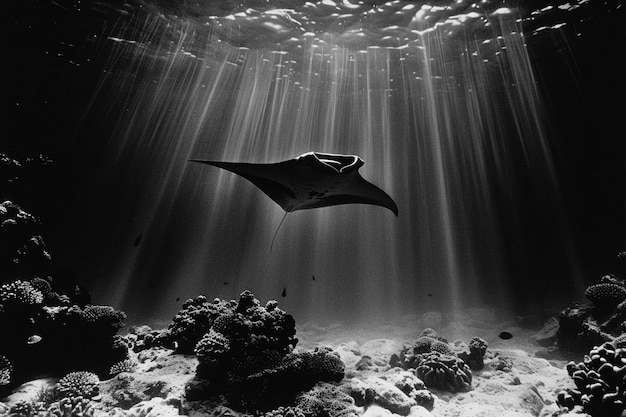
[497, 127]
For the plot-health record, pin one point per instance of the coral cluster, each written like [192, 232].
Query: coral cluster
[195, 319]
[78, 384]
[582, 326]
[246, 354]
[600, 382]
[127, 365]
[439, 364]
[56, 339]
[22, 249]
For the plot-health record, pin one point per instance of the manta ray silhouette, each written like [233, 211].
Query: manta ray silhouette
[311, 180]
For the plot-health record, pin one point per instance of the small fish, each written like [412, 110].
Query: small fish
[430, 294]
[313, 277]
[138, 239]
[505, 335]
[34, 339]
[177, 299]
[225, 283]
[284, 294]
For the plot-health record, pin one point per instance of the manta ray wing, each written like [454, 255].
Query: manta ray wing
[312, 180]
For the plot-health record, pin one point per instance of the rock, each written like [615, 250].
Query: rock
[377, 411]
[405, 381]
[156, 407]
[349, 353]
[547, 335]
[418, 411]
[29, 391]
[388, 396]
[380, 350]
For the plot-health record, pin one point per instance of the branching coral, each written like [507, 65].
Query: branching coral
[127, 365]
[446, 372]
[20, 294]
[600, 382]
[5, 370]
[78, 384]
[71, 407]
[103, 320]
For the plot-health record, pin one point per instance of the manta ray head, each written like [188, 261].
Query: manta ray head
[341, 164]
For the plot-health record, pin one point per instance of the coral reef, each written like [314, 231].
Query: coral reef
[78, 384]
[22, 249]
[246, 355]
[582, 326]
[195, 320]
[600, 382]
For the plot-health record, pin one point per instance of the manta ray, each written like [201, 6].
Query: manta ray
[311, 180]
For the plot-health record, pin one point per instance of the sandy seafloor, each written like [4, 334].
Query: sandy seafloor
[530, 388]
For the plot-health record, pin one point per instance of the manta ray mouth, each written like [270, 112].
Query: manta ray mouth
[339, 163]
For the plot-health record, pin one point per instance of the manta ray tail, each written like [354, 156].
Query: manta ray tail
[277, 229]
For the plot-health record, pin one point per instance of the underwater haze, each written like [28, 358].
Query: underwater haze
[496, 126]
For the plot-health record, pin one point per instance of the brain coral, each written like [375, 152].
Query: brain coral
[445, 372]
[606, 295]
[78, 384]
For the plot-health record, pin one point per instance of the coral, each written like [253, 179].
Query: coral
[285, 412]
[445, 372]
[502, 363]
[78, 384]
[247, 355]
[606, 295]
[102, 320]
[326, 400]
[477, 348]
[600, 382]
[195, 320]
[71, 407]
[276, 381]
[427, 342]
[22, 250]
[5, 370]
[385, 394]
[20, 293]
[22, 409]
[127, 365]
